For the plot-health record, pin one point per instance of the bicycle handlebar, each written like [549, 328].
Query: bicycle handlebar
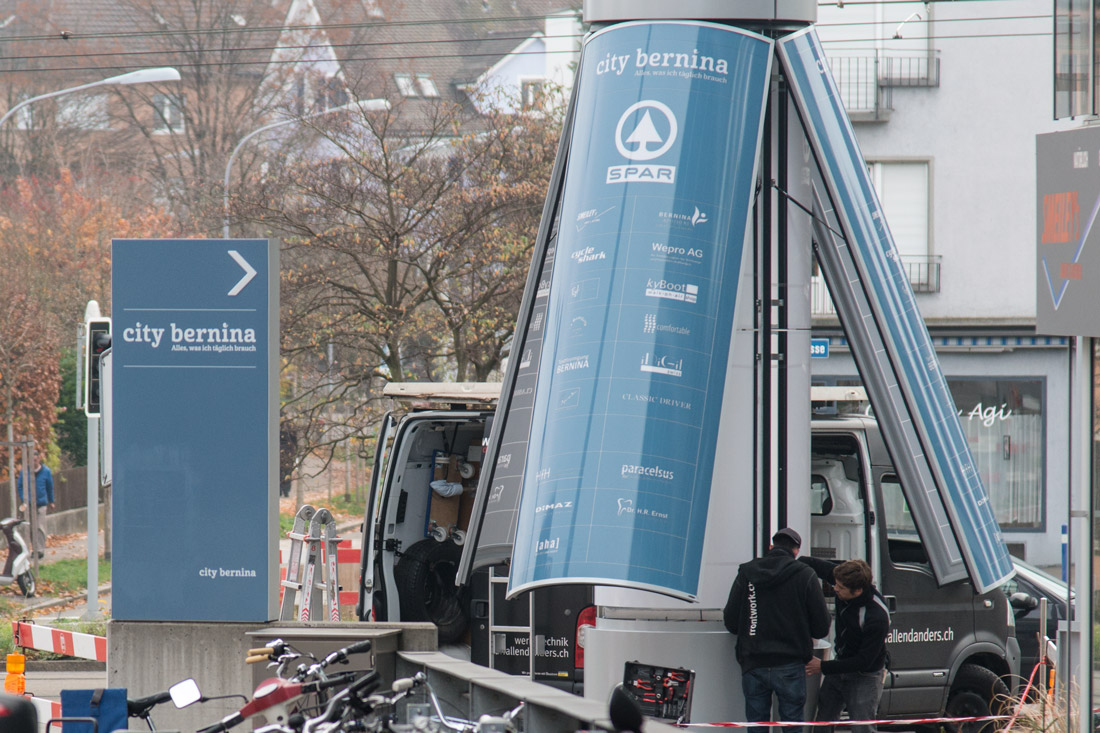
[140, 706]
[222, 725]
[341, 655]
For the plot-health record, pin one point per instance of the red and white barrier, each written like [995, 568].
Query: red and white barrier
[348, 556]
[47, 710]
[58, 641]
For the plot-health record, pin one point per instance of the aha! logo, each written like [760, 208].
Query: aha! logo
[645, 140]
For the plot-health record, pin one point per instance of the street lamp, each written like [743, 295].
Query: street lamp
[141, 76]
[368, 105]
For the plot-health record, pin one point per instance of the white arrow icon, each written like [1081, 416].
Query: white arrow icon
[249, 273]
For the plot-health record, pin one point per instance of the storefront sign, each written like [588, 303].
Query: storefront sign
[1068, 238]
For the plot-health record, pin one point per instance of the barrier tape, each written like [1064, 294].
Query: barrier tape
[58, 641]
[845, 723]
[893, 721]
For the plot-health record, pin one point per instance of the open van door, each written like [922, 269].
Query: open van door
[364, 607]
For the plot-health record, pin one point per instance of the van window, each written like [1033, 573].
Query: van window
[901, 532]
[821, 502]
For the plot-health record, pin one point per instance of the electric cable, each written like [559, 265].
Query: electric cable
[301, 47]
[273, 28]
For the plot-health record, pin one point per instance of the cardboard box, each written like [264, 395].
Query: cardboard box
[443, 510]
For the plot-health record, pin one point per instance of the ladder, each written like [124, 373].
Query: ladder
[313, 543]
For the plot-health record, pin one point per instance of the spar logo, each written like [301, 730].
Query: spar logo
[639, 137]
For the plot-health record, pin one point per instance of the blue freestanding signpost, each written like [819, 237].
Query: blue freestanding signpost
[195, 400]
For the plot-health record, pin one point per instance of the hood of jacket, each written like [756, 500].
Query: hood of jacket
[773, 568]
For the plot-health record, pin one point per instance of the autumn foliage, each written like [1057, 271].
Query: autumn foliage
[55, 244]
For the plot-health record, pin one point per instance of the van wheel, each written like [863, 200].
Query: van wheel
[425, 579]
[977, 692]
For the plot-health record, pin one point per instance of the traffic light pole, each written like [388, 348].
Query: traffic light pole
[91, 313]
[92, 613]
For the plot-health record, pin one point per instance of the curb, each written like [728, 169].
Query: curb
[63, 665]
[52, 602]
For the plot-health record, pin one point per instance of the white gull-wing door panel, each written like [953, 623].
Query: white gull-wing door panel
[889, 341]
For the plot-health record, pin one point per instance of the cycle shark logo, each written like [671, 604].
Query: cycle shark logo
[644, 139]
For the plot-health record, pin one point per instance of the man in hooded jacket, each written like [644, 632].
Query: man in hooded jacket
[776, 608]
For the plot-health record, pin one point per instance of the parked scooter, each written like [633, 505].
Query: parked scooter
[17, 566]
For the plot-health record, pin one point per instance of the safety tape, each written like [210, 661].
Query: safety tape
[892, 721]
[58, 641]
[845, 723]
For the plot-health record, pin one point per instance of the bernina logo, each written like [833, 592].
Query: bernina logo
[551, 507]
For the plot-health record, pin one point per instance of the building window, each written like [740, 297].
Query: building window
[426, 86]
[77, 112]
[532, 93]
[1004, 422]
[902, 189]
[167, 113]
[405, 84]
[335, 95]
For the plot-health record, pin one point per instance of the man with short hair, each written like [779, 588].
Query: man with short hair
[43, 500]
[853, 680]
[776, 608]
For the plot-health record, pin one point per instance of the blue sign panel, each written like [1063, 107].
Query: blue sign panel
[654, 214]
[927, 403]
[819, 348]
[195, 409]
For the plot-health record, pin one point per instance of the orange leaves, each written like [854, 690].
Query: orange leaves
[55, 256]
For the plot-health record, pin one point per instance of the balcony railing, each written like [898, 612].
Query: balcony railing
[865, 79]
[924, 272]
[924, 277]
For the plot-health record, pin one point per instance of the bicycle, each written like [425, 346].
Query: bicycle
[282, 700]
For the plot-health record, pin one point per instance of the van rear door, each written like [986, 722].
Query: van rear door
[365, 605]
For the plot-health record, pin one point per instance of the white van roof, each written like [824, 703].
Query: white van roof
[447, 392]
[825, 393]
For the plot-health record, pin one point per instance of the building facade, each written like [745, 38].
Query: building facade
[946, 100]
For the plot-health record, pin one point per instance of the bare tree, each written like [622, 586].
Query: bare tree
[405, 250]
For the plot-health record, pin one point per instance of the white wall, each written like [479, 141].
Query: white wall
[978, 130]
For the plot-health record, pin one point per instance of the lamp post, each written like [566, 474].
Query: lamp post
[368, 105]
[141, 76]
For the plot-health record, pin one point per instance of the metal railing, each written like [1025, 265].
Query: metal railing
[865, 79]
[924, 277]
[924, 272]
